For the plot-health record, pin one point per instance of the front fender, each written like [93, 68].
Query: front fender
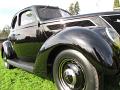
[84, 38]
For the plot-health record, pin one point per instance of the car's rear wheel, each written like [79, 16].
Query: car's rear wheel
[72, 71]
[6, 64]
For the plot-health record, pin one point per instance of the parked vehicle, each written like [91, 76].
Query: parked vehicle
[77, 50]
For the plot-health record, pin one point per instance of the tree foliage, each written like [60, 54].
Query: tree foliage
[116, 4]
[74, 8]
[71, 9]
[5, 32]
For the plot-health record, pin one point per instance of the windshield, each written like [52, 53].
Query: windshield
[46, 13]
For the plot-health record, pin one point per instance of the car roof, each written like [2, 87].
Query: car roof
[35, 6]
[76, 16]
[91, 14]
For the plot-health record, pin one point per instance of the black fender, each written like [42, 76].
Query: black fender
[83, 38]
[8, 49]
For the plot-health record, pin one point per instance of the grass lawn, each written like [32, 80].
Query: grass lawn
[17, 79]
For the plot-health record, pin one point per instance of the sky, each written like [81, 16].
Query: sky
[9, 7]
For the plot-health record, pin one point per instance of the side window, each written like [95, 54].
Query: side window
[26, 18]
[14, 22]
[83, 23]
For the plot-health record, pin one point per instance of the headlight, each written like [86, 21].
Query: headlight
[112, 34]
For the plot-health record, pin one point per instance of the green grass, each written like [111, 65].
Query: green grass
[17, 79]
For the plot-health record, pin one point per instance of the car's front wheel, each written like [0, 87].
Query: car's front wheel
[72, 71]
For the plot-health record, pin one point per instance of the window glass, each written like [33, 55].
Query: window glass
[14, 22]
[65, 14]
[46, 13]
[27, 17]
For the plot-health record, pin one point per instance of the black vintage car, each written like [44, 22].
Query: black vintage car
[76, 50]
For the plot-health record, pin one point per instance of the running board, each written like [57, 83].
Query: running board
[28, 66]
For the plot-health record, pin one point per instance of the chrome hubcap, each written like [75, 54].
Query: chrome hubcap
[70, 77]
[70, 74]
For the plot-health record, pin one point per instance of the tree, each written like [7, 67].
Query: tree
[5, 32]
[116, 4]
[71, 9]
[74, 8]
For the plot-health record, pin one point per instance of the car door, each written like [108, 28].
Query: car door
[26, 44]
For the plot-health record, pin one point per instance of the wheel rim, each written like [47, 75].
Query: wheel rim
[71, 75]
